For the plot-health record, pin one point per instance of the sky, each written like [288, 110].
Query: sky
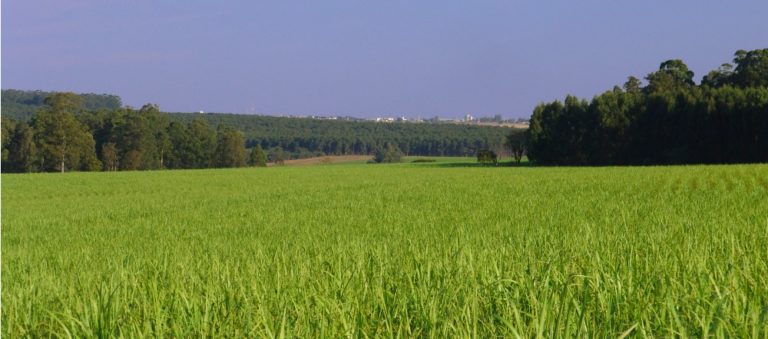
[363, 58]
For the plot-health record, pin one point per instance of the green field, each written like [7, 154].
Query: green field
[433, 250]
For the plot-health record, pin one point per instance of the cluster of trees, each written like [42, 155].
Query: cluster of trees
[387, 154]
[671, 120]
[278, 138]
[63, 136]
[22, 105]
[302, 138]
[88, 132]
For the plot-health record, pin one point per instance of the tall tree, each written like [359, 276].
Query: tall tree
[64, 143]
[719, 77]
[8, 129]
[202, 142]
[155, 143]
[671, 121]
[130, 137]
[751, 68]
[23, 151]
[257, 157]
[141, 138]
[672, 74]
[517, 145]
[110, 156]
[230, 148]
[633, 85]
[180, 154]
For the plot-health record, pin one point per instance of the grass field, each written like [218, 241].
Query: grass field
[363, 159]
[433, 250]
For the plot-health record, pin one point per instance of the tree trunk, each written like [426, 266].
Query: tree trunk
[63, 153]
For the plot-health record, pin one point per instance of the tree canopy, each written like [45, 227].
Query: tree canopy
[669, 121]
[64, 143]
[122, 138]
[388, 154]
[302, 137]
[21, 105]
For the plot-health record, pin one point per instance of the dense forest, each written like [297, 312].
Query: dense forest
[67, 132]
[669, 120]
[308, 137]
[63, 136]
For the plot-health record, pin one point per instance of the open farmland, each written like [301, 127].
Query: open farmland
[432, 249]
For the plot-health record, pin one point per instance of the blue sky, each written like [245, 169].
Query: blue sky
[362, 58]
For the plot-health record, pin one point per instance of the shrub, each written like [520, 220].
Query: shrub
[389, 153]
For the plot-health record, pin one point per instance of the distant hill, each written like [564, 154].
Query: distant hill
[306, 137]
[21, 105]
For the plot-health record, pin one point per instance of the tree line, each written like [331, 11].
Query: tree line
[65, 135]
[21, 105]
[300, 137]
[669, 120]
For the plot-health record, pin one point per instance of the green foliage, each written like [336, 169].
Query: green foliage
[487, 156]
[518, 145]
[63, 142]
[388, 154]
[278, 156]
[8, 129]
[202, 141]
[719, 77]
[181, 154]
[633, 85]
[751, 68]
[670, 121]
[110, 156]
[257, 157]
[230, 149]
[21, 105]
[68, 136]
[146, 139]
[410, 250]
[141, 137]
[312, 137]
[672, 75]
[23, 151]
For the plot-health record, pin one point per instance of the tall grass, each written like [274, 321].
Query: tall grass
[400, 250]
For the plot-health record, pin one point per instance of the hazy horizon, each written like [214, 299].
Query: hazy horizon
[362, 59]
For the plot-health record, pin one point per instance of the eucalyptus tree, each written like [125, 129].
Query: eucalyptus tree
[64, 143]
[230, 148]
[23, 151]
